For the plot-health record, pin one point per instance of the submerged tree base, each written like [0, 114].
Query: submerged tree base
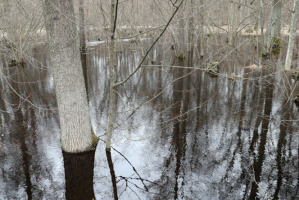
[79, 175]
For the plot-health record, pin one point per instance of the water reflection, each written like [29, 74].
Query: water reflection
[201, 137]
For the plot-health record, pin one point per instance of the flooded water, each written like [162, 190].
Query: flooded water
[180, 133]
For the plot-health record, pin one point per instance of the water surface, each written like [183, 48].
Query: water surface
[180, 133]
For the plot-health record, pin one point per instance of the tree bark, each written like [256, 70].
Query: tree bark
[262, 21]
[113, 65]
[292, 37]
[269, 24]
[82, 39]
[76, 133]
[191, 31]
[274, 22]
[202, 28]
[181, 31]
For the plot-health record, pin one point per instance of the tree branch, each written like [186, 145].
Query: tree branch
[143, 59]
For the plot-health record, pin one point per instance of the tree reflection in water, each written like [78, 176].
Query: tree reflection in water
[202, 137]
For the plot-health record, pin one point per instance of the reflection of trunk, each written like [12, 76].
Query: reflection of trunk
[258, 99]
[257, 165]
[279, 159]
[24, 148]
[198, 79]
[243, 123]
[79, 175]
[181, 99]
[112, 173]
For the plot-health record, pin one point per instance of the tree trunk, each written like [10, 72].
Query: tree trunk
[112, 173]
[113, 65]
[274, 23]
[269, 24]
[76, 133]
[202, 28]
[262, 21]
[191, 28]
[181, 31]
[292, 37]
[82, 39]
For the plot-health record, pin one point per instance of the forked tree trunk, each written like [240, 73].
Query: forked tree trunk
[292, 38]
[76, 134]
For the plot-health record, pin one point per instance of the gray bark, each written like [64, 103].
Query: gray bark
[262, 21]
[274, 21]
[181, 31]
[276, 24]
[202, 28]
[292, 37]
[113, 65]
[191, 27]
[76, 134]
[269, 24]
[82, 39]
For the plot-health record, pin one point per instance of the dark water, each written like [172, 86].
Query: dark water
[202, 137]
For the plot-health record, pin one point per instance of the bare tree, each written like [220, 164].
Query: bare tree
[76, 132]
[113, 64]
[202, 28]
[274, 25]
[292, 37]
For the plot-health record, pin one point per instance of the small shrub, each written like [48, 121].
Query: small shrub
[212, 67]
[295, 76]
[13, 63]
[181, 56]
